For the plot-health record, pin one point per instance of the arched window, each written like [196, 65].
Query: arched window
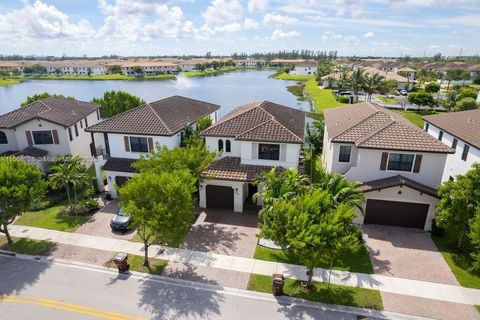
[220, 145]
[228, 146]
[3, 138]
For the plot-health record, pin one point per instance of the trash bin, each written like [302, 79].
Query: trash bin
[277, 284]
[121, 260]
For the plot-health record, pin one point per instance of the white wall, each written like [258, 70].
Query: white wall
[81, 145]
[342, 167]
[290, 150]
[304, 71]
[11, 139]
[111, 186]
[63, 148]
[117, 144]
[212, 145]
[454, 164]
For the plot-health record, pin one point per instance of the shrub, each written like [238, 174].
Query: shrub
[421, 99]
[436, 230]
[467, 93]
[466, 104]
[456, 87]
[432, 87]
[344, 99]
[476, 80]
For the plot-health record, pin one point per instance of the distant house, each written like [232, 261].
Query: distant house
[285, 62]
[252, 139]
[461, 132]
[305, 68]
[250, 62]
[123, 138]
[399, 165]
[47, 128]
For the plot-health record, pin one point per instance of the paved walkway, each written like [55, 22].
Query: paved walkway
[422, 289]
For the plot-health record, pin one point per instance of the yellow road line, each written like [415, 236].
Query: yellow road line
[54, 304]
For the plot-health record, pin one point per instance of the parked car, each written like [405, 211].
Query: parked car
[121, 221]
[403, 92]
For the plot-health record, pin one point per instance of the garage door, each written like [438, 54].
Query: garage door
[120, 180]
[394, 213]
[219, 197]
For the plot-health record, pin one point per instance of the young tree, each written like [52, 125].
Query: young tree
[432, 87]
[138, 70]
[40, 96]
[160, 205]
[459, 200]
[115, 102]
[21, 184]
[372, 83]
[357, 80]
[115, 69]
[314, 135]
[421, 99]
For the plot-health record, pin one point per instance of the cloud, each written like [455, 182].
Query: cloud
[468, 20]
[279, 34]
[352, 8]
[221, 12]
[276, 20]
[250, 24]
[231, 27]
[257, 5]
[330, 35]
[369, 34]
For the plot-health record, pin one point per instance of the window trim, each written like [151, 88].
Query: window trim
[349, 154]
[42, 144]
[407, 153]
[136, 137]
[268, 144]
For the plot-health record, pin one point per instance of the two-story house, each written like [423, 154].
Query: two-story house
[124, 138]
[47, 128]
[461, 132]
[305, 68]
[252, 139]
[399, 164]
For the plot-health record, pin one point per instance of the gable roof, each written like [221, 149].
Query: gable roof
[62, 111]
[261, 121]
[373, 127]
[307, 63]
[464, 125]
[395, 181]
[163, 117]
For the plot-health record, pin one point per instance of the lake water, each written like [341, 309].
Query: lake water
[228, 90]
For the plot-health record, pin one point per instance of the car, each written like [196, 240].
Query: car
[121, 221]
[403, 92]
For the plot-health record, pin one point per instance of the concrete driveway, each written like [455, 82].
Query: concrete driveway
[99, 223]
[406, 253]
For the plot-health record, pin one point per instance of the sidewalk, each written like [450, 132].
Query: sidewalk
[422, 289]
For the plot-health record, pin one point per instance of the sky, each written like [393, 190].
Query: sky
[183, 27]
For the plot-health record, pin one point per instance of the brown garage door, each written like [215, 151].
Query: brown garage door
[219, 197]
[394, 213]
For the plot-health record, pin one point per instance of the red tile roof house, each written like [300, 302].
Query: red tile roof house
[125, 137]
[399, 164]
[253, 138]
[47, 128]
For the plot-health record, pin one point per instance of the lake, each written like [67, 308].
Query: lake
[228, 90]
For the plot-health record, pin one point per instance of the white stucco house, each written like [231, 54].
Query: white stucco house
[399, 165]
[305, 68]
[47, 128]
[252, 139]
[461, 132]
[124, 138]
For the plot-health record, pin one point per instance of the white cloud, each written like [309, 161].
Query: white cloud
[352, 8]
[221, 12]
[369, 34]
[250, 24]
[276, 20]
[469, 20]
[279, 34]
[257, 5]
[231, 27]
[331, 35]
[433, 46]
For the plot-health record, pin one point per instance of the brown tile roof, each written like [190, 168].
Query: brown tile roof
[163, 117]
[119, 164]
[230, 168]
[396, 181]
[464, 125]
[61, 111]
[261, 121]
[373, 127]
[32, 151]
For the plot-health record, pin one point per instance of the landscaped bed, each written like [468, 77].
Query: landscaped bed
[349, 261]
[321, 292]
[26, 246]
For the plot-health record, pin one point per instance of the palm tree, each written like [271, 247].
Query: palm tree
[357, 79]
[372, 83]
[61, 178]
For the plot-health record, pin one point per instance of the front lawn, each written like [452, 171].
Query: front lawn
[387, 100]
[8, 82]
[53, 218]
[415, 116]
[26, 246]
[287, 76]
[136, 264]
[208, 72]
[350, 261]
[459, 262]
[321, 292]
[322, 98]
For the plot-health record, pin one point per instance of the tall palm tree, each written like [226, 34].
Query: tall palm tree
[372, 83]
[357, 79]
[61, 178]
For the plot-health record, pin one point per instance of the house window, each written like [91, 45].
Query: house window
[76, 130]
[228, 146]
[98, 115]
[42, 137]
[3, 138]
[138, 144]
[466, 148]
[269, 151]
[440, 135]
[86, 123]
[81, 124]
[454, 143]
[220, 145]
[451, 178]
[426, 126]
[344, 155]
[400, 162]
[70, 135]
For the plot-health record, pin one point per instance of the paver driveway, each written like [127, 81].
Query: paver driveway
[406, 253]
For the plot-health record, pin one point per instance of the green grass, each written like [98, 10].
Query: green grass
[286, 76]
[459, 262]
[8, 82]
[321, 292]
[313, 172]
[91, 171]
[415, 116]
[136, 264]
[387, 100]
[26, 246]
[100, 77]
[53, 218]
[349, 261]
[297, 90]
[209, 72]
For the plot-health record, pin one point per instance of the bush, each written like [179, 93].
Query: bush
[421, 99]
[467, 93]
[344, 99]
[436, 230]
[465, 104]
[432, 87]
[476, 80]
[456, 87]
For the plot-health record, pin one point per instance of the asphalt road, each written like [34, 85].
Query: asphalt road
[40, 290]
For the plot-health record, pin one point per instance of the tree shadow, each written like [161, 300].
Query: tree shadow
[180, 300]
[207, 237]
[21, 274]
